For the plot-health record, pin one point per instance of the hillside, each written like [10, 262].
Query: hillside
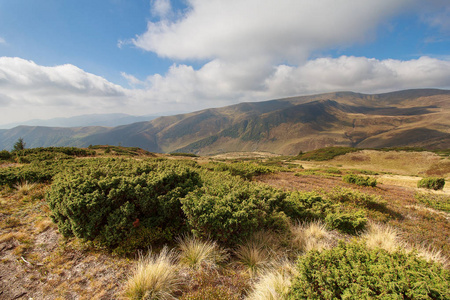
[73, 222]
[284, 126]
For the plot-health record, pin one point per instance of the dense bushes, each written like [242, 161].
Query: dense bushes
[242, 169]
[228, 210]
[5, 155]
[122, 202]
[133, 204]
[351, 271]
[311, 206]
[434, 183]
[38, 171]
[326, 153]
[360, 180]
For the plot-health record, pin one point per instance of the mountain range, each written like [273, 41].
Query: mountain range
[108, 120]
[285, 126]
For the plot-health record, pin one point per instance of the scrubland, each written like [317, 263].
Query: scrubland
[122, 223]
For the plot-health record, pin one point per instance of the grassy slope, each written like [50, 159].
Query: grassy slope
[37, 262]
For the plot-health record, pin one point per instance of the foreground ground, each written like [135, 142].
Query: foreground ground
[38, 263]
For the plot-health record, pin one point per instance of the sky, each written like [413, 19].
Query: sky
[151, 57]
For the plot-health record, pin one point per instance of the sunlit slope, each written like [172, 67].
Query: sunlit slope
[284, 126]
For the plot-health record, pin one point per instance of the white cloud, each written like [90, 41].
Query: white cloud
[30, 91]
[132, 80]
[24, 85]
[220, 83]
[280, 30]
[161, 8]
[2, 40]
[358, 74]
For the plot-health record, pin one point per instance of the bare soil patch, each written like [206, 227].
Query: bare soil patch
[36, 262]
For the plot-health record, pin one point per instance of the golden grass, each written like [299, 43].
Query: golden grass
[155, 277]
[273, 285]
[196, 253]
[19, 236]
[24, 187]
[432, 255]
[311, 236]
[383, 237]
[256, 254]
[43, 225]
[397, 162]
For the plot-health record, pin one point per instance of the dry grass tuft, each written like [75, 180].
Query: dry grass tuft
[155, 277]
[196, 253]
[24, 187]
[43, 225]
[383, 237]
[19, 236]
[256, 253]
[274, 284]
[311, 236]
[432, 255]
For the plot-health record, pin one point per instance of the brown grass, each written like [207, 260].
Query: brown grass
[258, 253]
[154, 277]
[311, 236]
[401, 162]
[272, 285]
[196, 253]
[417, 225]
[383, 237]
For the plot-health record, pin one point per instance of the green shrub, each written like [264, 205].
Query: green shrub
[360, 180]
[38, 171]
[119, 202]
[183, 154]
[242, 169]
[351, 271]
[326, 153]
[5, 155]
[33, 174]
[229, 210]
[345, 195]
[307, 206]
[310, 206]
[348, 222]
[434, 183]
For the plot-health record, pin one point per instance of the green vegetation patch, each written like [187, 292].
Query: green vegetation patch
[439, 202]
[309, 206]
[245, 170]
[183, 154]
[228, 209]
[43, 154]
[37, 171]
[435, 183]
[326, 153]
[360, 180]
[122, 203]
[351, 271]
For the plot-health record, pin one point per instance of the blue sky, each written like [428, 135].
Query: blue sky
[65, 58]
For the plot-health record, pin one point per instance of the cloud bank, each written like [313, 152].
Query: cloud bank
[30, 90]
[244, 50]
[285, 30]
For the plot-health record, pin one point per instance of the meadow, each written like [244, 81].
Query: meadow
[123, 223]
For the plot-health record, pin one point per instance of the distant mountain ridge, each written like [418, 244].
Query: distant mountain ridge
[108, 120]
[284, 126]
